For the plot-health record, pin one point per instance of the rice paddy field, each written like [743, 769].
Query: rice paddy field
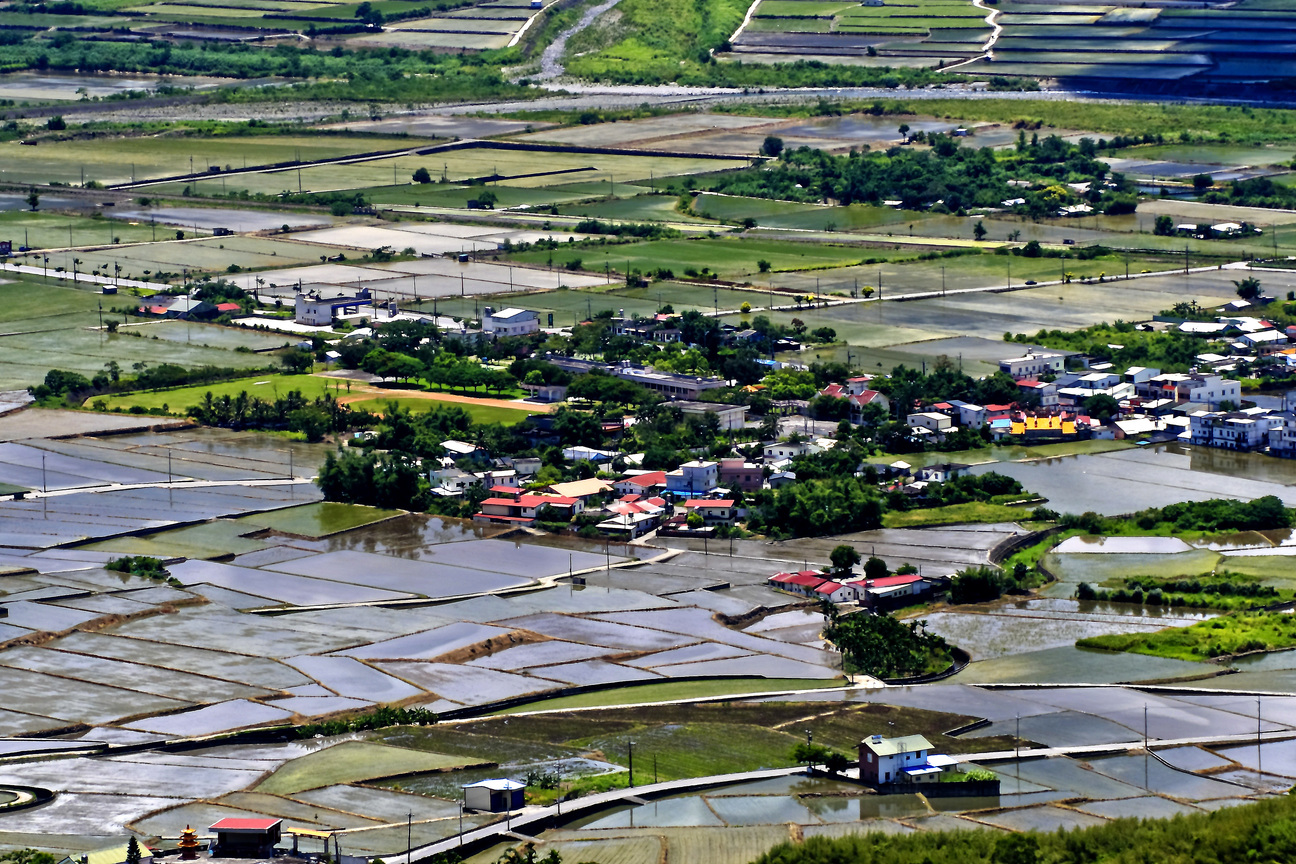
[911, 33]
[521, 169]
[285, 608]
[1090, 41]
[123, 160]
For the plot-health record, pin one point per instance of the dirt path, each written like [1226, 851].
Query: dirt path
[361, 395]
[987, 51]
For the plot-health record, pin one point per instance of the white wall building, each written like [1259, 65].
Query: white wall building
[509, 322]
[1032, 365]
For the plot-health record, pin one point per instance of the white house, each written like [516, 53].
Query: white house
[787, 450]
[693, 478]
[1232, 430]
[896, 760]
[1032, 365]
[316, 311]
[933, 420]
[509, 322]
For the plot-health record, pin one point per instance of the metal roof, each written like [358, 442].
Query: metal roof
[893, 746]
[496, 785]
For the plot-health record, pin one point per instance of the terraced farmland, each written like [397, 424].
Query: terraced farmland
[1243, 42]
[906, 33]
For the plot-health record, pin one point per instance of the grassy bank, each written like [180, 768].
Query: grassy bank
[1230, 634]
[973, 511]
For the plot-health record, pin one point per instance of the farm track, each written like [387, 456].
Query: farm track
[996, 30]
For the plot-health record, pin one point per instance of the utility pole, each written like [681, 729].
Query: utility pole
[631, 782]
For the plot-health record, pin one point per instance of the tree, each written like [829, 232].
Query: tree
[298, 360]
[1248, 288]
[694, 520]
[33, 198]
[844, 557]
[1164, 226]
[810, 754]
[1016, 849]
[421, 175]
[1101, 406]
[133, 854]
[904, 131]
[56, 123]
[763, 266]
[979, 230]
[487, 199]
[772, 146]
[875, 568]
[1202, 182]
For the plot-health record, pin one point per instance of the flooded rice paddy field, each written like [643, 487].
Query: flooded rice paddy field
[1129, 480]
[1051, 794]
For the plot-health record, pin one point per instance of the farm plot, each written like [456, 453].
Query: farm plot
[832, 32]
[42, 230]
[1135, 42]
[525, 169]
[121, 160]
[730, 258]
[168, 261]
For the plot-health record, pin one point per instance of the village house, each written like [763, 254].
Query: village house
[712, 511]
[693, 478]
[884, 761]
[1032, 365]
[641, 483]
[524, 509]
[509, 322]
[1233, 430]
[730, 417]
[741, 474]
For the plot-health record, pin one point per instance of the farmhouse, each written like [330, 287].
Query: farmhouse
[317, 311]
[897, 760]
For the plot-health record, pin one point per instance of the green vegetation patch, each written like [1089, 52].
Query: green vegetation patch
[638, 694]
[1219, 637]
[207, 540]
[1256, 832]
[481, 414]
[267, 387]
[318, 520]
[352, 762]
[973, 511]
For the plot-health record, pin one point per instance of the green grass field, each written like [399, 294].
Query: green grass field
[266, 386]
[480, 413]
[1229, 634]
[351, 762]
